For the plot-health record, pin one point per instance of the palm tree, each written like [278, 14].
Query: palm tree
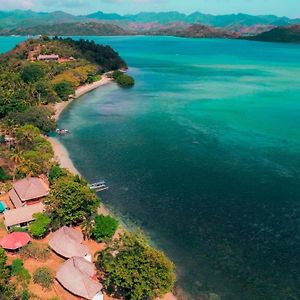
[16, 158]
[87, 227]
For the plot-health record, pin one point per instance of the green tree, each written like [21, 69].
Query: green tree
[18, 270]
[64, 89]
[44, 277]
[38, 116]
[70, 202]
[125, 81]
[40, 226]
[104, 228]
[28, 136]
[32, 73]
[87, 227]
[17, 158]
[57, 172]
[135, 270]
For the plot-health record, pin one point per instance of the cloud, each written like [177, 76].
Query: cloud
[16, 4]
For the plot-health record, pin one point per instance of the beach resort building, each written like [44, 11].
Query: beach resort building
[77, 275]
[67, 242]
[28, 191]
[48, 57]
[20, 217]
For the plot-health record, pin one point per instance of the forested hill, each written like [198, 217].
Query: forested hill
[197, 31]
[285, 34]
[68, 29]
[43, 71]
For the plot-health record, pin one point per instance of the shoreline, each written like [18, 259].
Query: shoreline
[59, 107]
[61, 154]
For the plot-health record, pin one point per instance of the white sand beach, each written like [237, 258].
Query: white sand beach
[80, 91]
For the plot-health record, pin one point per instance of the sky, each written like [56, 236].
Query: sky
[290, 8]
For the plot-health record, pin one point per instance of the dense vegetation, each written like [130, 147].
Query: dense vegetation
[123, 80]
[69, 29]
[104, 228]
[134, 270]
[24, 84]
[286, 34]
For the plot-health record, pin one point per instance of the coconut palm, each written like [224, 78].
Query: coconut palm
[87, 227]
[17, 158]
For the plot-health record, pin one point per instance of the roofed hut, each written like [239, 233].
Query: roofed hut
[28, 191]
[75, 275]
[67, 242]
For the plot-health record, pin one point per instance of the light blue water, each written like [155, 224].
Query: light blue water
[203, 154]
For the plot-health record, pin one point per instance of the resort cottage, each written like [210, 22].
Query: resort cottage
[67, 242]
[20, 217]
[50, 57]
[77, 275]
[28, 191]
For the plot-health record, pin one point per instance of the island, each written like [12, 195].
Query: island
[57, 241]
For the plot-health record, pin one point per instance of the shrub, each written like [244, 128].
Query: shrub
[3, 175]
[40, 227]
[18, 229]
[18, 270]
[35, 251]
[125, 81]
[44, 277]
[104, 228]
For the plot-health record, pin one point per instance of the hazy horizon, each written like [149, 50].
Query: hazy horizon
[288, 8]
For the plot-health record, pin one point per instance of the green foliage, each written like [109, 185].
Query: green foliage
[40, 226]
[125, 81]
[35, 152]
[4, 176]
[70, 202]
[104, 228]
[18, 270]
[64, 89]
[45, 93]
[40, 117]
[44, 277]
[35, 251]
[4, 273]
[57, 172]
[17, 229]
[33, 72]
[135, 270]
[116, 74]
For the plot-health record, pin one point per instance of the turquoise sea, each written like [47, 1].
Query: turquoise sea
[204, 155]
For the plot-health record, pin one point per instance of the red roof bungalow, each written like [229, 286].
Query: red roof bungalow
[28, 191]
[50, 57]
[15, 240]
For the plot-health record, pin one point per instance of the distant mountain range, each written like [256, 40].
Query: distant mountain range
[68, 29]
[196, 25]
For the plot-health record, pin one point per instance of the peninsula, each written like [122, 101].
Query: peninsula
[45, 205]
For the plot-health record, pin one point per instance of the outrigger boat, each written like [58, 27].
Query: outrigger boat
[62, 131]
[99, 186]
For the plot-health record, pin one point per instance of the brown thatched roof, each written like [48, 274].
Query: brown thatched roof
[75, 276]
[67, 242]
[26, 189]
[22, 215]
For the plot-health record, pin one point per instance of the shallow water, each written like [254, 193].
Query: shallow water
[203, 154]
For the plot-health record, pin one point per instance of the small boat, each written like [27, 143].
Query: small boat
[62, 131]
[99, 186]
